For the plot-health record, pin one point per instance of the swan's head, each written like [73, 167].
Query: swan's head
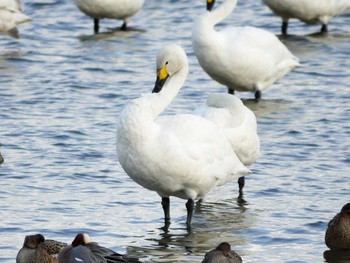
[169, 61]
[210, 4]
[81, 239]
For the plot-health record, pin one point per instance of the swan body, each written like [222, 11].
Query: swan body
[308, 11]
[180, 155]
[38, 250]
[238, 123]
[222, 254]
[11, 15]
[245, 59]
[110, 9]
[83, 250]
[338, 231]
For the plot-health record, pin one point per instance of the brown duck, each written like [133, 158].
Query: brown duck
[38, 250]
[338, 231]
[222, 254]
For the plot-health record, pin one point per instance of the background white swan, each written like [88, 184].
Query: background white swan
[111, 9]
[11, 15]
[241, 58]
[239, 125]
[179, 155]
[308, 11]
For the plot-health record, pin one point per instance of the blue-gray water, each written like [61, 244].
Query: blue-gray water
[62, 88]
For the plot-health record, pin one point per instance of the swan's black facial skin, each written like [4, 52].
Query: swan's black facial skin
[159, 85]
[162, 76]
[210, 4]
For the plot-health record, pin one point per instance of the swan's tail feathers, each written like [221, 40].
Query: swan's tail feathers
[19, 19]
[244, 171]
[22, 18]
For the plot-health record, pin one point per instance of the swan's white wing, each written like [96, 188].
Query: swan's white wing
[252, 55]
[200, 150]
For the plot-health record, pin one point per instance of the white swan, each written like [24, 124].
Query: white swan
[180, 155]
[11, 15]
[111, 9]
[241, 58]
[239, 125]
[308, 11]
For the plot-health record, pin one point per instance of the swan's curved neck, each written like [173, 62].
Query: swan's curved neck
[223, 11]
[159, 101]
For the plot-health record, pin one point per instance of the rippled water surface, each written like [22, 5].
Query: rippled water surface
[62, 89]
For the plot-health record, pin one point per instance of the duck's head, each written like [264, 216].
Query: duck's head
[210, 4]
[81, 239]
[170, 60]
[346, 208]
[33, 241]
[225, 248]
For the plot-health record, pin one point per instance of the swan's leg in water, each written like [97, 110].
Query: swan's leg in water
[284, 27]
[123, 27]
[166, 208]
[241, 182]
[324, 28]
[96, 25]
[258, 95]
[189, 206]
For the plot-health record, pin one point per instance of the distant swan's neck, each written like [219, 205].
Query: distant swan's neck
[223, 11]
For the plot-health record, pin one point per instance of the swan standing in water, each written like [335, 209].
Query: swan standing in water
[239, 125]
[241, 58]
[11, 15]
[309, 11]
[111, 9]
[182, 155]
[37, 249]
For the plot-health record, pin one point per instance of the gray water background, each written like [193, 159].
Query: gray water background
[62, 88]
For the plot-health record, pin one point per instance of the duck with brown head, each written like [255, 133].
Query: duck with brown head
[37, 249]
[222, 254]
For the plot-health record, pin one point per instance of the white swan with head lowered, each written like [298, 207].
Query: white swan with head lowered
[239, 125]
[241, 58]
[309, 11]
[180, 155]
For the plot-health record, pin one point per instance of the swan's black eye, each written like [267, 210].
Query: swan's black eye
[166, 63]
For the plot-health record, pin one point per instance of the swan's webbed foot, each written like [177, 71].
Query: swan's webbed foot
[96, 25]
[190, 207]
[166, 209]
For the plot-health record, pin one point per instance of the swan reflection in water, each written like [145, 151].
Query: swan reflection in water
[215, 222]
